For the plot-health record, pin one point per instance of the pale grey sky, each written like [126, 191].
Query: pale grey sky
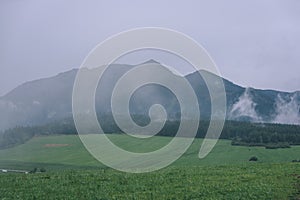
[255, 43]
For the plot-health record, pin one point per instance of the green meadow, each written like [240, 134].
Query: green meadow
[68, 150]
[72, 173]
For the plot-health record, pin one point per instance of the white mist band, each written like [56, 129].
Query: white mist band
[103, 55]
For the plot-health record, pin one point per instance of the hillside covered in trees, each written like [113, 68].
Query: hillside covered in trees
[241, 133]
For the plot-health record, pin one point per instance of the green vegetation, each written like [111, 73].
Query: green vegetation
[271, 136]
[71, 173]
[251, 181]
[63, 151]
[19, 135]
[253, 158]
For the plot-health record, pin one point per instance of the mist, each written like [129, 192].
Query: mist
[244, 108]
[287, 110]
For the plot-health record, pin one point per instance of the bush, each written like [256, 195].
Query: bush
[33, 171]
[253, 158]
[42, 170]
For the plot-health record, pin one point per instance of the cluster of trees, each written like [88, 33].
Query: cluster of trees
[15, 136]
[19, 135]
[241, 133]
[295, 160]
[271, 136]
[37, 170]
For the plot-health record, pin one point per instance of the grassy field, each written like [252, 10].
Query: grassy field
[72, 173]
[252, 181]
[68, 151]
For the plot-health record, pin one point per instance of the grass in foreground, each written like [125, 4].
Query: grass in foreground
[251, 181]
[72, 173]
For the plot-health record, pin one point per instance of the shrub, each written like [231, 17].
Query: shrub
[253, 158]
[33, 171]
[42, 170]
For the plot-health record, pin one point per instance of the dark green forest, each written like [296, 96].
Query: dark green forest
[240, 133]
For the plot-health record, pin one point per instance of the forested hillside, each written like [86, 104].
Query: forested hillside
[241, 133]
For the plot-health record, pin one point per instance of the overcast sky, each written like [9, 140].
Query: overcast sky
[255, 43]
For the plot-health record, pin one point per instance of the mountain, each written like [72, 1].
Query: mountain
[50, 99]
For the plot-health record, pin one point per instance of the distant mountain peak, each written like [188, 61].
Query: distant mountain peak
[151, 61]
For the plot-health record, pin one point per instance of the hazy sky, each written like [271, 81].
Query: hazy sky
[255, 43]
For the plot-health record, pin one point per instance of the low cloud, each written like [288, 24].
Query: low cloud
[287, 110]
[244, 108]
[7, 105]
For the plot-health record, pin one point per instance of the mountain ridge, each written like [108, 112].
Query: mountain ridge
[44, 100]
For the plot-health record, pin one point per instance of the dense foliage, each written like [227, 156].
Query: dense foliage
[241, 133]
[269, 135]
[20, 135]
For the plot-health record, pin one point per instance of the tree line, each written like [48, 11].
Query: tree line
[240, 133]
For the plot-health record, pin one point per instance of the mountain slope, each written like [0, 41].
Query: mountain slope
[50, 99]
